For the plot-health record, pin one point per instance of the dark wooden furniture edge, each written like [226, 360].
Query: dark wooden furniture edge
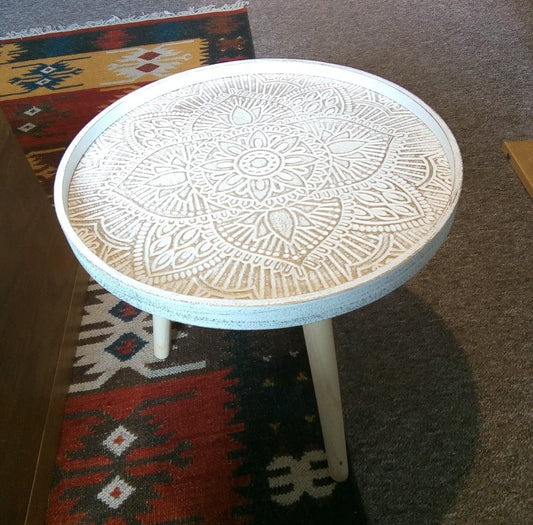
[38, 502]
[42, 289]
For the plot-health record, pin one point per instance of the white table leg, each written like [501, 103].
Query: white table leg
[161, 337]
[321, 350]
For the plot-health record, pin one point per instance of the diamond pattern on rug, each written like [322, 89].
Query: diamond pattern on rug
[180, 465]
[126, 346]
[125, 311]
[114, 336]
[115, 493]
[51, 76]
[161, 60]
[119, 440]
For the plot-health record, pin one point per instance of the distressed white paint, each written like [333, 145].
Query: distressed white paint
[259, 194]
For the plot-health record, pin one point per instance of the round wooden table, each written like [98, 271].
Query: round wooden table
[261, 194]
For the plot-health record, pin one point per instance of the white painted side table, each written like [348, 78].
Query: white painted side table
[261, 194]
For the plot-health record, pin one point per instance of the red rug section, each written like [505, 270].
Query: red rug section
[189, 418]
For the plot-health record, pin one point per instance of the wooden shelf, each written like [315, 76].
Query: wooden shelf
[520, 154]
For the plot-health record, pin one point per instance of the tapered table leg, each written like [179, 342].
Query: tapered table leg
[161, 337]
[321, 350]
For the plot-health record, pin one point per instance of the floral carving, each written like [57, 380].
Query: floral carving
[259, 186]
[260, 166]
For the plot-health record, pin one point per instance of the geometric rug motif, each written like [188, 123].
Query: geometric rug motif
[236, 441]
[136, 455]
[115, 336]
[283, 447]
[51, 85]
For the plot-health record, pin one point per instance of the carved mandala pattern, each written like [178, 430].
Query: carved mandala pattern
[259, 186]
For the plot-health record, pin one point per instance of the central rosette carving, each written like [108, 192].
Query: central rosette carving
[259, 163]
[259, 166]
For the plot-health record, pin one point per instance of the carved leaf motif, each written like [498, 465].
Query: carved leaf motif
[219, 165]
[282, 223]
[167, 180]
[242, 116]
[368, 197]
[361, 213]
[386, 207]
[299, 159]
[261, 229]
[304, 221]
[403, 210]
[162, 261]
[230, 148]
[345, 146]
[149, 133]
[184, 257]
[313, 107]
[286, 144]
[259, 140]
[160, 245]
[289, 178]
[394, 197]
[385, 214]
[229, 183]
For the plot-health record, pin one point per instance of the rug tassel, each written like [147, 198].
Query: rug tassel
[120, 20]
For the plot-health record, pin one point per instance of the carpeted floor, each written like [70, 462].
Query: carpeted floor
[436, 377]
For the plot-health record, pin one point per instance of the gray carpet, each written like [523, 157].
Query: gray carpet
[436, 377]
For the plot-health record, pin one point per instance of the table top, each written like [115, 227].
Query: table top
[259, 194]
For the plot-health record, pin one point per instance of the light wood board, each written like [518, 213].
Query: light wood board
[520, 154]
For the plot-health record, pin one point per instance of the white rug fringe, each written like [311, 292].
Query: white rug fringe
[124, 20]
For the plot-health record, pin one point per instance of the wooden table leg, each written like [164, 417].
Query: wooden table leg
[161, 337]
[321, 350]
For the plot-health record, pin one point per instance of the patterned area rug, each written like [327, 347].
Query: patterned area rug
[224, 431]
[52, 85]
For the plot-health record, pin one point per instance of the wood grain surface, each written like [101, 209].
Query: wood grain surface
[41, 293]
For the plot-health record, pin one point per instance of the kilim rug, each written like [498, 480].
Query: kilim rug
[224, 431]
[52, 85]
